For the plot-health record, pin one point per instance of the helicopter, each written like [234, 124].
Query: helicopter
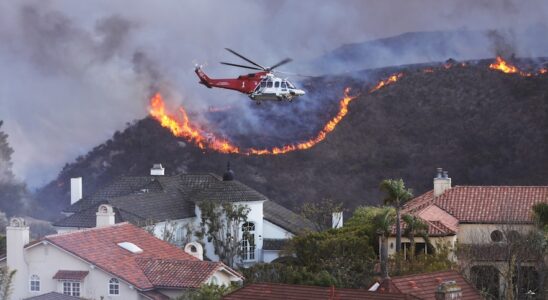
[263, 85]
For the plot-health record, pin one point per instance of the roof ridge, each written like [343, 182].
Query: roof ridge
[47, 237]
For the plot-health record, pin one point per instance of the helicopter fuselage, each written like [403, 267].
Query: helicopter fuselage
[258, 86]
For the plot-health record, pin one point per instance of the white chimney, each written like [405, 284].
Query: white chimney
[157, 170]
[75, 189]
[17, 236]
[195, 249]
[442, 182]
[105, 216]
[337, 219]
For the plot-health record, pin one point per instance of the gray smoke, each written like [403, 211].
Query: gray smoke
[73, 72]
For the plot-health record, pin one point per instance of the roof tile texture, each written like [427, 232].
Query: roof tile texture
[71, 275]
[424, 285]
[99, 246]
[276, 291]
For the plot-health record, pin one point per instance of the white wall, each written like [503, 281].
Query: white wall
[273, 231]
[45, 260]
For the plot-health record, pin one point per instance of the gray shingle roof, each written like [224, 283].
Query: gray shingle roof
[53, 296]
[158, 198]
[285, 218]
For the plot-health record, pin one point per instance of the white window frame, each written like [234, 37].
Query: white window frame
[33, 279]
[71, 287]
[115, 284]
[248, 250]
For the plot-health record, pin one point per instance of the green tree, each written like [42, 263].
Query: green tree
[540, 215]
[414, 226]
[208, 292]
[6, 282]
[383, 222]
[221, 224]
[320, 213]
[396, 195]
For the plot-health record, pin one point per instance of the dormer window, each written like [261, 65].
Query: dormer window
[34, 283]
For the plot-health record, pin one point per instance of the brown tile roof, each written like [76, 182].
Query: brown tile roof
[53, 296]
[278, 291]
[484, 204]
[71, 275]
[435, 229]
[99, 246]
[423, 286]
[169, 273]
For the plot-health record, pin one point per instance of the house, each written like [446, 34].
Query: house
[171, 204]
[429, 286]
[279, 291]
[114, 261]
[489, 225]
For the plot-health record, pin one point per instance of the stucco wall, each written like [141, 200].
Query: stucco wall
[272, 231]
[481, 233]
[46, 260]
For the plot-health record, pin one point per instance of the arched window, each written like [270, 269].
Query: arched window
[34, 283]
[114, 287]
[248, 241]
[214, 280]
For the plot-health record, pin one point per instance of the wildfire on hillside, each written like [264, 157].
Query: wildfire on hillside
[181, 125]
[386, 82]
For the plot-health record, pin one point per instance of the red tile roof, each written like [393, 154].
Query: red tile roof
[71, 275]
[423, 286]
[99, 246]
[435, 228]
[176, 273]
[484, 204]
[278, 291]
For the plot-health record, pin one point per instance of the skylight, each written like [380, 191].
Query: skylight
[131, 247]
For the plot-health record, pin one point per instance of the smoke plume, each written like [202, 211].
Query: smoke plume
[75, 72]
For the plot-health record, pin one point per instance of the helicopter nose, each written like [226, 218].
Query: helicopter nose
[299, 92]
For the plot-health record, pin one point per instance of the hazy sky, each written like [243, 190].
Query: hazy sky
[73, 72]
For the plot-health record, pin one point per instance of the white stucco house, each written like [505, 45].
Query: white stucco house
[171, 204]
[112, 261]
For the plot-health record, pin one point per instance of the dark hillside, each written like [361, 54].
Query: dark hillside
[484, 126]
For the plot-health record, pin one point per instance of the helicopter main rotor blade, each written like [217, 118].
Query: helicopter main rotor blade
[245, 58]
[283, 62]
[293, 74]
[241, 66]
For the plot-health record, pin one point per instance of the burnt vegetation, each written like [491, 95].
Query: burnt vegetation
[486, 127]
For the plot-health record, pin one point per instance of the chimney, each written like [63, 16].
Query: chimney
[448, 290]
[442, 182]
[337, 219]
[195, 249]
[105, 216]
[75, 189]
[157, 170]
[229, 174]
[17, 236]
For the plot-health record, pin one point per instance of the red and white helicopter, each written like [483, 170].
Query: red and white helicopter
[258, 86]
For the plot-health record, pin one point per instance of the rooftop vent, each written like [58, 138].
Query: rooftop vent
[131, 247]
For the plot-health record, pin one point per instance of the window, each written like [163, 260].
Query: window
[263, 84]
[114, 287]
[284, 85]
[34, 283]
[269, 84]
[248, 241]
[71, 288]
[496, 236]
[277, 84]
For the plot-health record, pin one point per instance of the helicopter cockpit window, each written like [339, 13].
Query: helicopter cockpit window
[289, 85]
[269, 84]
[277, 84]
[284, 85]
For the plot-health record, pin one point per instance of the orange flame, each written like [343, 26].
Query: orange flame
[183, 128]
[504, 66]
[386, 82]
[543, 71]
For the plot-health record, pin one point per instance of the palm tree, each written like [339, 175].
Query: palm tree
[383, 223]
[6, 282]
[397, 195]
[414, 227]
